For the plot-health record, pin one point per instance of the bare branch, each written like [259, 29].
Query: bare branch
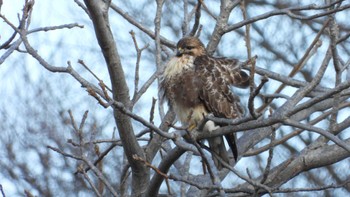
[254, 92]
[99, 174]
[269, 159]
[294, 190]
[81, 62]
[156, 170]
[10, 50]
[52, 28]
[99, 15]
[144, 87]
[326, 134]
[197, 18]
[309, 159]
[151, 115]
[222, 20]
[164, 166]
[310, 106]
[316, 43]
[213, 172]
[138, 59]
[287, 11]
[208, 11]
[131, 20]
[1, 189]
[284, 79]
[86, 176]
[322, 97]
[82, 6]
[63, 153]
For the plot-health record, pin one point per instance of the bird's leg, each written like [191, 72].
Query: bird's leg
[210, 126]
[216, 144]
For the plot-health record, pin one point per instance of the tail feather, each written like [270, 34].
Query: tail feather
[231, 140]
[217, 146]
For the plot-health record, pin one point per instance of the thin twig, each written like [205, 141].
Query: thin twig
[150, 33]
[292, 134]
[185, 21]
[145, 87]
[334, 34]
[208, 11]
[81, 62]
[248, 179]
[247, 29]
[51, 28]
[75, 127]
[331, 186]
[316, 43]
[166, 177]
[320, 131]
[101, 156]
[185, 172]
[196, 19]
[253, 94]
[137, 67]
[82, 6]
[100, 175]
[125, 173]
[151, 115]
[64, 153]
[210, 165]
[10, 50]
[287, 11]
[6, 44]
[83, 119]
[193, 183]
[86, 176]
[2, 191]
[269, 159]
[321, 97]
[285, 79]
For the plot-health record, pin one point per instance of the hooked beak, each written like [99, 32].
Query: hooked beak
[179, 52]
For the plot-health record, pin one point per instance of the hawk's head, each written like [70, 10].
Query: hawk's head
[190, 46]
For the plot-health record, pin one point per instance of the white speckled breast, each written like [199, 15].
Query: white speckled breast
[177, 64]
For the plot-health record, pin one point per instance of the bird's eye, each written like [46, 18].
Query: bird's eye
[189, 47]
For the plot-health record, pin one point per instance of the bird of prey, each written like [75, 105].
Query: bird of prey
[196, 84]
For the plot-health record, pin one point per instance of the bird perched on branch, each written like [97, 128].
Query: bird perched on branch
[196, 84]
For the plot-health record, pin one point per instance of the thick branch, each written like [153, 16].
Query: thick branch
[164, 166]
[310, 159]
[99, 15]
[225, 11]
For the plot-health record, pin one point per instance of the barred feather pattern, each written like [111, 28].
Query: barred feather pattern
[217, 75]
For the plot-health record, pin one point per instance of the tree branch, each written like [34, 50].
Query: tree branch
[99, 15]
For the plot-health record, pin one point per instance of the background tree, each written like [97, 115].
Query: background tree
[294, 138]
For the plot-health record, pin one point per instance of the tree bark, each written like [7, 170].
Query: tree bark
[99, 16]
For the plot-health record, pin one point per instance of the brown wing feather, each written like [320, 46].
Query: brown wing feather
[216, 76]
[230, 70]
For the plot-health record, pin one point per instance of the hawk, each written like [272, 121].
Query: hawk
[196, 84]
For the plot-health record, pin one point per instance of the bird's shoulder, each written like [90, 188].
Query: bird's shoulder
[221, 68]
[210, 63]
